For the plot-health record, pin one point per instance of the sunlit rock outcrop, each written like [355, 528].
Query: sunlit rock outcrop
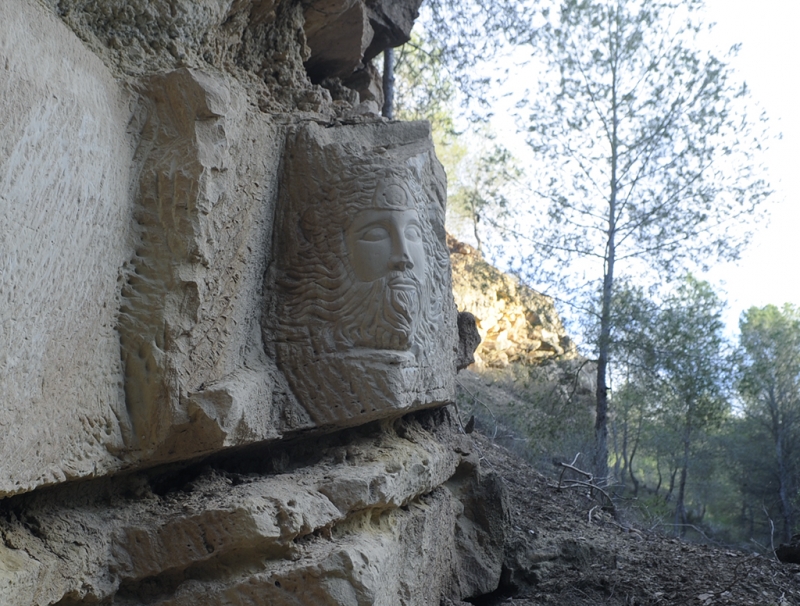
[516, 323]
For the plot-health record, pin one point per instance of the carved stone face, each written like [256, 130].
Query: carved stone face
[386, 253]
[363, 316]
[381, 241]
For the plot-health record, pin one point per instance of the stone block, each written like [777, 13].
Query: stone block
[362, 320]
[197, 378]
[67, 169]
[399, 515]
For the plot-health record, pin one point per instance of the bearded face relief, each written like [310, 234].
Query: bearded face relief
[364, 315]
[386, 252]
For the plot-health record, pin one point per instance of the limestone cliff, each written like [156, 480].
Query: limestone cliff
[529, 386]
[227, 343]
[516, 323]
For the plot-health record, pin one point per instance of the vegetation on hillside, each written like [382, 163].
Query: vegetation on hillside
[645, 167]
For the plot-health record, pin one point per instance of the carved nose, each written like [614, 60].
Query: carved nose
[402, 262]
[401, 259]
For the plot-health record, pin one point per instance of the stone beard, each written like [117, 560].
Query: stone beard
[380, 315]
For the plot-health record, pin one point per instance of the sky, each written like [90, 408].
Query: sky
[769, 61]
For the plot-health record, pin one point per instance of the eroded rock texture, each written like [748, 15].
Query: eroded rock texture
[225, 308]
[66, 172]
[196, 376]
[515, 323]
[393, 514]
[140, 185]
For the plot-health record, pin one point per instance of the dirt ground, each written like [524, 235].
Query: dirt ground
[563, 548]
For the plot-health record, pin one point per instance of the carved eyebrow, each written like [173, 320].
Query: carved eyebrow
[385, 220]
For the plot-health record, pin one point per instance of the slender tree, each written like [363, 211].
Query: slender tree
[677, 375]
[770, 388]
[646, 151]
[485, 178]
[647, 155]
[635, 314]
[689, 356]
[481, 172]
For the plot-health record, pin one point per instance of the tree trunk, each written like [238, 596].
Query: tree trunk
[634, 480]
[633, 454]
[671, 488]
[388, 84]
[601, 412]
[604, 342]
[660, 479]
[475, 219]
[784, 491]
[680, 504]
[620, 458]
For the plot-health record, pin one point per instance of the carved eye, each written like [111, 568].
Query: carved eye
[413, 232]
[375, 234]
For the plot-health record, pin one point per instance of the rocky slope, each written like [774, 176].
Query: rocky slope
[516, 323]
[529, 383]
[563, 546]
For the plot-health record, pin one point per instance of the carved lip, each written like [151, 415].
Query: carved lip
[402, 283]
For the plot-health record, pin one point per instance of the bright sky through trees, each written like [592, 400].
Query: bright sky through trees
[769, 61]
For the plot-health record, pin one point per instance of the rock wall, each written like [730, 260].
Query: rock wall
[516, 323]
[226, 310]
[67, 180]
[140, 174]
[392, 514]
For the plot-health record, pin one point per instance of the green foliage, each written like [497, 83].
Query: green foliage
[770, 364]
[647, 153]
[423, 90]
[648, 141]
[542, 412]
[676, 389]
[743, 467]
[686, 351]
[480, 171]
[769, 385]
[482, 185]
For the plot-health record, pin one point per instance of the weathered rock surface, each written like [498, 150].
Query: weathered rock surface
[138, 215]
[397, 514]
[190, 414]
[468, 339]
[67, 168]
[343, 35]
[363, 324]
[516, 323]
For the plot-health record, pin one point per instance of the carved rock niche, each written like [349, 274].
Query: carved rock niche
[362, 320]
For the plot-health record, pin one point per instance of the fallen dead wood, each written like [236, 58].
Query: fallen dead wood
[588, 483]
